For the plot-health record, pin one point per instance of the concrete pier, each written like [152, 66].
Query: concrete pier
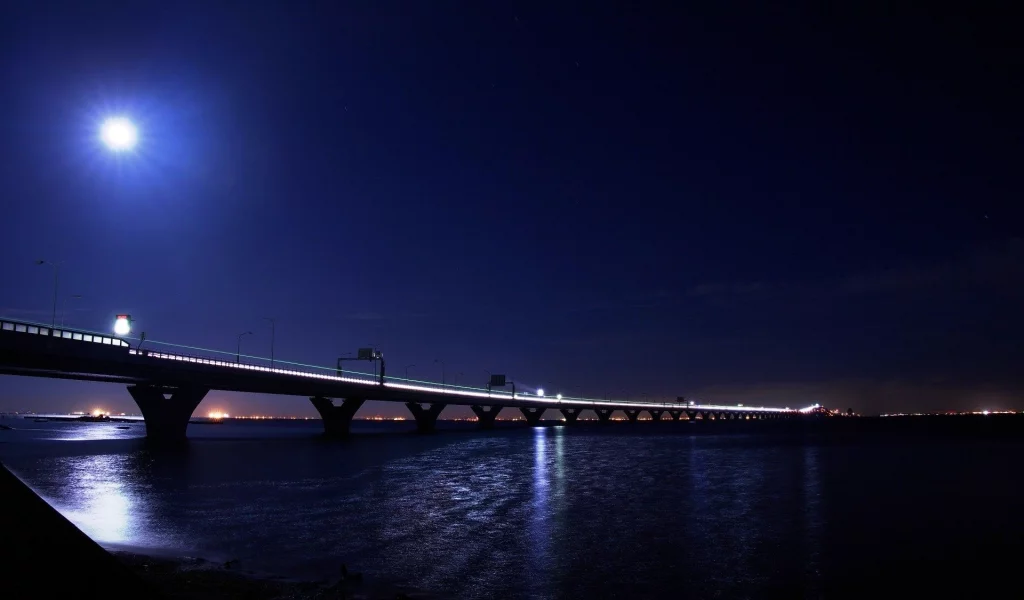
[532, 415]
[166, 410]
[571, 414]
[485, 415]
[337, 419]
[426, 418]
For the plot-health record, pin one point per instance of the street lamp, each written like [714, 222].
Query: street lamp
[540, 392]
[488, 381]
[56, 272]
[438, 360]
[238, 354]
[119, 134]
[64, 306]
[407, 370]
[272, 327]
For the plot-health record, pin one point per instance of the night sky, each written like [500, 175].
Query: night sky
[739, 204]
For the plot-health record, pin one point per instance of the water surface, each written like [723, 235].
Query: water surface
[644, 510]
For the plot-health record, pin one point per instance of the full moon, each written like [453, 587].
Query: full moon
[119, 134]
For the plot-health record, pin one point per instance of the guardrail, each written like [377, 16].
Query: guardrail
[66, 334]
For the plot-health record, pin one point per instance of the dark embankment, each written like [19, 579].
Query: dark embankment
[43, 555]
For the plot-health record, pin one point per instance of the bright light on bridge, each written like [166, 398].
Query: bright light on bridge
[123, 325]
[540, 392]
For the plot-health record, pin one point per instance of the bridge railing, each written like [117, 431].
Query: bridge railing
[62, 333]
[364, 378]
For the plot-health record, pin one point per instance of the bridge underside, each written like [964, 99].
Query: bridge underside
[167, 410]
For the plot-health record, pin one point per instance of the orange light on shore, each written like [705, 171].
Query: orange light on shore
[216, 414]
[99, 412]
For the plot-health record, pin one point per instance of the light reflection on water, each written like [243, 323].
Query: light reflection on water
[97, 497]
[541, 512]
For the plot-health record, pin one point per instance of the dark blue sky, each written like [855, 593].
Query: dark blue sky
[744, 204]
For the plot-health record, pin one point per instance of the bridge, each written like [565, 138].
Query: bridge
[168, 386]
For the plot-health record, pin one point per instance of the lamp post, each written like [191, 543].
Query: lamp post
[238, 354]
[341, 358]
[438, 360]
[64, 307]
[407, 370]
[273, 326]
[56, 273]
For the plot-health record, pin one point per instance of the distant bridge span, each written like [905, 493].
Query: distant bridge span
[169, 386]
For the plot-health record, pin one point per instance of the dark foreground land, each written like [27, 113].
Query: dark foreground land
[195, 579]
[45, 555]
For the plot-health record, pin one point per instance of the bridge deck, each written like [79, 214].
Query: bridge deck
[34, 350]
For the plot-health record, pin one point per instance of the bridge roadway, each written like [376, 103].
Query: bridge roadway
[168, 386]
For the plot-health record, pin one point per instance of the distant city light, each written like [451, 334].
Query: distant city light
[216, 414]
[119, 134]
[559, 396]
[123, 325]
[540, 392]
[98, 412]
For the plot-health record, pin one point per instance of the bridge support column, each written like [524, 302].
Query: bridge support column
[485, 415]
[426, 418]
[166, 410]
[571, 414]
[691, 414]
[632, 415]
[604, 415]
[675, 414]
[656, 414]
[337, 419]
[532, 415]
